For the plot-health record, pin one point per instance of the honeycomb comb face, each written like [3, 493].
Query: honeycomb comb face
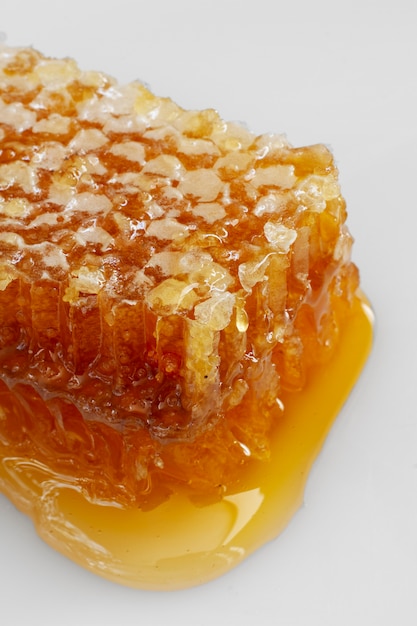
[166, 279]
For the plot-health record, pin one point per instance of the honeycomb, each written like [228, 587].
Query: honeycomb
[164, 277]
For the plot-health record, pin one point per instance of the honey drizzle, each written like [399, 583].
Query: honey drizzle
[183, 542]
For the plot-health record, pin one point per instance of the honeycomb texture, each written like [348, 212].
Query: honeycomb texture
[163, 276]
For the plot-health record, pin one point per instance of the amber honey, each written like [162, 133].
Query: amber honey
[175, 297]
[184, 542]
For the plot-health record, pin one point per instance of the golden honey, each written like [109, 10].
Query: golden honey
[184, 542]
[177, 310]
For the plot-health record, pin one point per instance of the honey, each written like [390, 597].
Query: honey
[177, 310]
[185, 542]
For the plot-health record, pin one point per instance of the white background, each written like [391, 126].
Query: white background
[341, 73]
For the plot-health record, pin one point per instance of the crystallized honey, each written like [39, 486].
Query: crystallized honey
[177, 312]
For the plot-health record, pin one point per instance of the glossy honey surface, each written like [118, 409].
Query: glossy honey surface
[184, 541]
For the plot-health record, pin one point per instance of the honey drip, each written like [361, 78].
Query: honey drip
[178, 307]
[184, 541]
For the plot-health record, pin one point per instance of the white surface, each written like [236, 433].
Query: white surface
[322, 71]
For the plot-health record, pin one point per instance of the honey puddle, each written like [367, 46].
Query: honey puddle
[179, 543]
